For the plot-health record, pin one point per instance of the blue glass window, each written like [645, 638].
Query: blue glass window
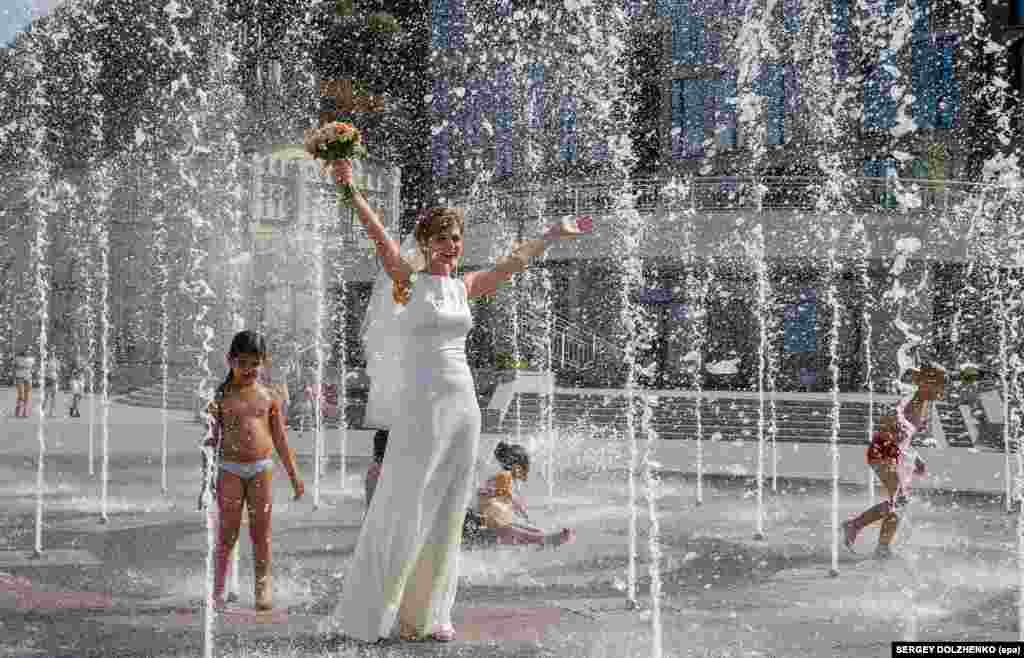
[933, 74]
[688, 35]
[503, 8]
[879, 168]
[879, 105]
[503, 121]
[771, 85]
[535, 96]
[800, 334]
[1018, 10]
[472, 111]
[725, 115]
[713, 47]
[694, 93]
[879, 8]
[567, 129]
[676, 135]
[791, 83]
[791, 15]
[440, 132]
[689, 110]
[456, 23]
[439, 24]
[841, 38]
[948, 104]
[738, 8]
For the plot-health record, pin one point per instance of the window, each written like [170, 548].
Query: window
[841, 38]
[725, 109]
[791, 16]
[535, 96]
[503, 121]
[439, 37]
[471, 112]
[933, 74]
[447, 24]
[567, 129]
[687, 35]
[1018, 11]
[875, 168]
[880, 8]
[698, 105]
[948, 105]
[800, 324]
[771, 85]
[456, 23]
[879, 105]
[439, 131]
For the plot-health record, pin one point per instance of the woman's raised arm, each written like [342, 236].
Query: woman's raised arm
[387, 247]
[481, 284]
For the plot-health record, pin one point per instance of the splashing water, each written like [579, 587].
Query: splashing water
[833, 354]
[103, 184]
[864, 275]
[756, 252]
[42, 282]
[327, 200]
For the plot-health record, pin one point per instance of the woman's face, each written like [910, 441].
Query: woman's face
[444, 249]
[245, 368]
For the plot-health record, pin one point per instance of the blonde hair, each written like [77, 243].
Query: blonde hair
[431, 223]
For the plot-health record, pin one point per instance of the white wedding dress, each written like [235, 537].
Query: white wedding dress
[407, 555]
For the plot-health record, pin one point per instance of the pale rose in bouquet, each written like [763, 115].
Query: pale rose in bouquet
[336, 140]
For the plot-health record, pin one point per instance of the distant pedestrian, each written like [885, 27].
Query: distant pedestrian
[50, 381]
[24, 364]
[77, 391]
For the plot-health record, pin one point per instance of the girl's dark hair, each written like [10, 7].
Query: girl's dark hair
[380, 445]
[244, 342]
[512, 455]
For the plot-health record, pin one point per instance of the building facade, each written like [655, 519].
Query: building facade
[516, 123]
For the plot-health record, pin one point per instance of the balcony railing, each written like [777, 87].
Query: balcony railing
[738, 193]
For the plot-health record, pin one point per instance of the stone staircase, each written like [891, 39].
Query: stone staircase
[725, 416]
[181, 394]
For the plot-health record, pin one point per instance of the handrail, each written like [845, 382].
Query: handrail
[730, 193]
[573, 345]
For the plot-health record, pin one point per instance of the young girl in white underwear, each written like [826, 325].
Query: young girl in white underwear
[246, 425]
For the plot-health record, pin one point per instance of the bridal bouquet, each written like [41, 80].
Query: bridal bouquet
[337, 140]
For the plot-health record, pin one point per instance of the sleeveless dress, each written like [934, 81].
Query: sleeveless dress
[408, 549]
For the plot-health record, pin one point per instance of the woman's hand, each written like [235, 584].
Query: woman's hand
[342, 170]
[299, 487]
[570, 228]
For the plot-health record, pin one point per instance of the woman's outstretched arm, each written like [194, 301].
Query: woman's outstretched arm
[481, 284]
[387, 247]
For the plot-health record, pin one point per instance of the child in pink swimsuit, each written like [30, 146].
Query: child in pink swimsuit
[504, 512]
[894, 461]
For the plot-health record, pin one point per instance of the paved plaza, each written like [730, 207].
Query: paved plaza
[134, 586]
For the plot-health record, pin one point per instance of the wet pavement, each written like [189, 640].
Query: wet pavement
[134, 586]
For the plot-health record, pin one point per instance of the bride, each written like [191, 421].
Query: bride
[405, 568]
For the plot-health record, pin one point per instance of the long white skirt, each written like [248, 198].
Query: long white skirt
[407, 555]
